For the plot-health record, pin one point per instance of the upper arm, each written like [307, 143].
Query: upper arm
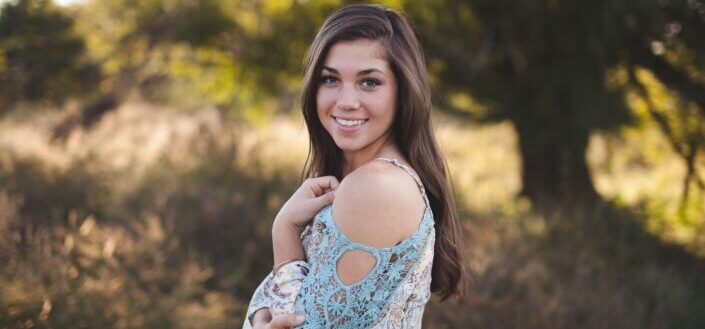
[377, 205]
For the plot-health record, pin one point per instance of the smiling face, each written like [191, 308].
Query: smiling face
[356, 97]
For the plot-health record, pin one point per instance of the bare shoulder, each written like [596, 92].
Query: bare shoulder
[378, 204]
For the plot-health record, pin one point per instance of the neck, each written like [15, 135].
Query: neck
[383, 147]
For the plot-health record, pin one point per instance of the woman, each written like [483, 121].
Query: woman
[362, 244]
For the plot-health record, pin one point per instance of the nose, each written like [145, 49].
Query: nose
[348, 99]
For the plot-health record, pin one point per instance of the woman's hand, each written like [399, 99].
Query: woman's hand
[281, 321]
[308, 200]
[313, 194]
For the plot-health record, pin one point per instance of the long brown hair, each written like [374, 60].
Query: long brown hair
[412, 129]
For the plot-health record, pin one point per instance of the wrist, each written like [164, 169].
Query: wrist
[282, 226]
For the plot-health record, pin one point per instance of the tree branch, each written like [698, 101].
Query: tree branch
[672, 76]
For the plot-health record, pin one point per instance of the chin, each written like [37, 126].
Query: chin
[347, 146]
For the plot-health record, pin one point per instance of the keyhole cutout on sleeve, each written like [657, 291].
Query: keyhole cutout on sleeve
[354, 265]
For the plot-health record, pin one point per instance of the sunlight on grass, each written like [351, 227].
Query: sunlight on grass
[161, 219]
[640, 170]
[483, 163]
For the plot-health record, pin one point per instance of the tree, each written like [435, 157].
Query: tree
[227, 53]
[548, 67]
[41, 58]
[132, 42]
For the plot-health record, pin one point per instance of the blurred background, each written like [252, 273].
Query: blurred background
[146, 145]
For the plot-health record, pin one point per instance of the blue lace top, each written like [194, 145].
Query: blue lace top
[393, 292]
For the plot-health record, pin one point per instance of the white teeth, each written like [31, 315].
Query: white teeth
[349, 123]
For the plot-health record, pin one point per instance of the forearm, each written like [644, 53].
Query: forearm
[286, 242]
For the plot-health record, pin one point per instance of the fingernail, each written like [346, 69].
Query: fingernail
[299, 318]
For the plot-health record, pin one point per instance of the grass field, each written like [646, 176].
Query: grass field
[157, 218]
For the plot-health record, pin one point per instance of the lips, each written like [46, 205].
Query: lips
[349, 124]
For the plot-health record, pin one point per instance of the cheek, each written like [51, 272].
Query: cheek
[323, 107]
[387, 105]
[323, 102]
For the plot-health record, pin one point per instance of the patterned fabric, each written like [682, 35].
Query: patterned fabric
[392, 295]
[278, 292]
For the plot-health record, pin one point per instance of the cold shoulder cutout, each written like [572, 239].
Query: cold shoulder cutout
[395, 287]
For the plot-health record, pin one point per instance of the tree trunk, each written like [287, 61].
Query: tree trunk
[554, 170]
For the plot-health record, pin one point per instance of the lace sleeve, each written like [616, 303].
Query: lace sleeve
[278, 292]
[415, 304]
[328, 303]
[421, 293]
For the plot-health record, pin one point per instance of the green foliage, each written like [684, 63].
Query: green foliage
[41, 57]
[134, 42]
[548, 67]
[230, 54]
[534, 62]
[679, 119]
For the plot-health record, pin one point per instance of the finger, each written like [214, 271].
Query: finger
[324, 199]
[286, 321]
[321, 185]
[333, 183]
[327, 182]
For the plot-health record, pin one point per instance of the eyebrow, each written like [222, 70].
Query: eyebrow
[363, 72]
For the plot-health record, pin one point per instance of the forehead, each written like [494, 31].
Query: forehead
[357, 55]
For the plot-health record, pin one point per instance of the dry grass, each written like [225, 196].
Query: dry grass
[160, 219]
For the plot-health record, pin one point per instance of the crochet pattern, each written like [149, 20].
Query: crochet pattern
[392, 295]
[328, 303]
